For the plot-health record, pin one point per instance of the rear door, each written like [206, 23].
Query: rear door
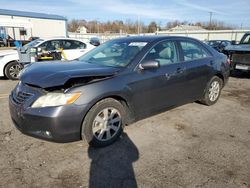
[198, 66]
[73, 49]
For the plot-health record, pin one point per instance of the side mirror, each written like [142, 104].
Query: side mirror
[39, 49]
[152, 64]
[233, 42]
[22, 50]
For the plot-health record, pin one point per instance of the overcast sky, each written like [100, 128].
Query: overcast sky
[232, 12]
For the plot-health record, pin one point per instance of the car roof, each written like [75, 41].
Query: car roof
[59, 38]
[42, 40]
[150, 38]
[218, 40]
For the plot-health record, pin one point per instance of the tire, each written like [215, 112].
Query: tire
[12, 70]
[213, 91]
[104, 123]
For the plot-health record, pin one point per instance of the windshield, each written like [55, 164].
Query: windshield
[33, 43]
[114, 53]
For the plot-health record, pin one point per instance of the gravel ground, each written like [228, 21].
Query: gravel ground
[189, 146]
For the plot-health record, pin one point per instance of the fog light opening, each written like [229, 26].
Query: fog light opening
[48, 133]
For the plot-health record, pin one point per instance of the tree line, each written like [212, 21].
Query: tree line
[132, 27]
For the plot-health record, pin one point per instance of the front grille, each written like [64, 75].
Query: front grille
[21, 97]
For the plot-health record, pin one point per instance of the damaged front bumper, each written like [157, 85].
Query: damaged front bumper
[58, 124]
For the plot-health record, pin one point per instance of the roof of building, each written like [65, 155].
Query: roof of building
[187, 28]
[31, 14]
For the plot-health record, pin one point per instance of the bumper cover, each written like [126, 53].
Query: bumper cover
[57, 124]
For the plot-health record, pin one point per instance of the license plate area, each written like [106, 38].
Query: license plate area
[242, 67]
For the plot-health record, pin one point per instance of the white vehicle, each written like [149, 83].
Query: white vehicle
[72, 49]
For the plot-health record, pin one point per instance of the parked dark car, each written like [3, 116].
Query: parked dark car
[95, 41]
[239, 54]
[219, 45]
[2, 42]
[117, 83]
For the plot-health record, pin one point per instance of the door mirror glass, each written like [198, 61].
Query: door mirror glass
[152, 64]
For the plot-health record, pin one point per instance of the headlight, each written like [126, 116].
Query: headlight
[55, 99]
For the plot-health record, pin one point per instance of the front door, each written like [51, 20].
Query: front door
[155, 89]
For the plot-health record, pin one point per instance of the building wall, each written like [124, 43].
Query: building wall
[43, 28]
[201, 35]
[209, 35]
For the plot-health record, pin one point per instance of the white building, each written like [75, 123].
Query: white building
[22, 25]
[82, 30]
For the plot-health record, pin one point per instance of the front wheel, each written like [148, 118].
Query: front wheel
[104, 122]
[12, 70]
[213, 91]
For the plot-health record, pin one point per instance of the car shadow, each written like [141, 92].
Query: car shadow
[240, 74]
[112, 166]
[3, 78]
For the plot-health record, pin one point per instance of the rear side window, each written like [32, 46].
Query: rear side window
[72, 44]
[164, 52]
[192, 51]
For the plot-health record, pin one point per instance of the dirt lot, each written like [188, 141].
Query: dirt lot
[190, 146]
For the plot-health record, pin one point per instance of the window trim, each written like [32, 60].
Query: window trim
[165, 40]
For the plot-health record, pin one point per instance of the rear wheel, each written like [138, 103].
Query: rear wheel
[213, 91]
[104, 122]
[12, 70]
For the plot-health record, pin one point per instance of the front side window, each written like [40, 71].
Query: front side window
[192, 51]
[51, 45]
[114, 53]
[164, 52]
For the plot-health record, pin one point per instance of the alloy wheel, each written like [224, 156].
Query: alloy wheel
[214, 91]
[106, 124]
[14, 70]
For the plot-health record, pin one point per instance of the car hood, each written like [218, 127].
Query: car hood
[7, 52]
[239, 47]
[53, 74]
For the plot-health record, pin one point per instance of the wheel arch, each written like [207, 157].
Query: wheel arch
[220, 75]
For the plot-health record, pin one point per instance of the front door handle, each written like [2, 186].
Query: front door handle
[180, 70]
[168, 76]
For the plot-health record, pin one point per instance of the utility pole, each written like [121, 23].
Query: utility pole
[210, 19]
[138, 24]
[97, 26]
